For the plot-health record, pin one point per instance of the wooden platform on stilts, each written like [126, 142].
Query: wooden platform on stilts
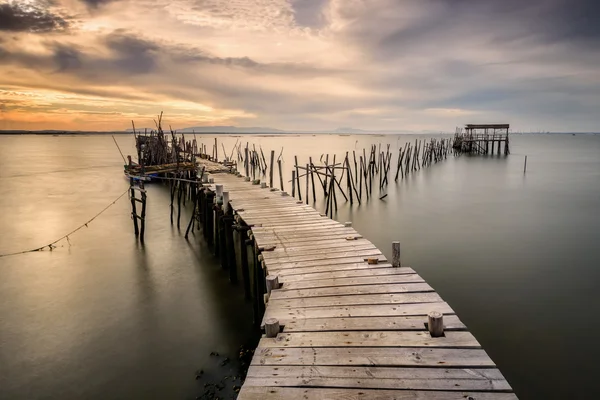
[341, 321]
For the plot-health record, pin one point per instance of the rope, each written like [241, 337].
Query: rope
[52, 244]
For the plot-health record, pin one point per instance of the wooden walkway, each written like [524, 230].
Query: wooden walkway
[350, 330]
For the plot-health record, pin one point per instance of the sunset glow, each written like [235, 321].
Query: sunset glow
[297, 64]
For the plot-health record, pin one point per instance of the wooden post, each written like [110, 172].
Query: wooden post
[143, 215]
[312, 179]
[225, 201]
[133, 210]
[525, 166]
[280, 175]
[298, 178]
[179, 193]
[395, 254]
[271, 168]
[306, 178]
[294, 184]
[272, 283]
[272, 327]
[436, 324]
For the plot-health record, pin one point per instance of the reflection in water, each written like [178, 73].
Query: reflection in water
[514, 254]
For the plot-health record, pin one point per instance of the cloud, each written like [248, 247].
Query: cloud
[312, 64]
[17, 16]
[96, 3]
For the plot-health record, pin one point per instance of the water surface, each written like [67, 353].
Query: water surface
[516, 255]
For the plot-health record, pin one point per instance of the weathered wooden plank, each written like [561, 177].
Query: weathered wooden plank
[297, 222]
[451, 322]
[385, 310]
[376, 356]
[336, 233]
[350, 290]
[276, 393]
[343, 247]
[345, 277]
[454, 339]
[295, 229]
[319, 243]
[334, 259]
[379, 377]
[356, 299]
[322, 254]
[335, 268]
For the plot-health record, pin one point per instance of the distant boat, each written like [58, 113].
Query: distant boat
[137, 178]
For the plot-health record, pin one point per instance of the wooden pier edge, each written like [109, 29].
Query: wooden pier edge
[340, 321]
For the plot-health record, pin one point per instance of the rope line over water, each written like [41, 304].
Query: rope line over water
[51, 245]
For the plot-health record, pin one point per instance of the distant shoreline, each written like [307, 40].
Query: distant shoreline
[87, 133]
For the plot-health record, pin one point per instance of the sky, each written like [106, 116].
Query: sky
[408, 65]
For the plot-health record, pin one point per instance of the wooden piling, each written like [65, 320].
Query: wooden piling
[271, 168]
[280, 175]
[271, 327]
[272, 282]
[435, 324]
[395, 254]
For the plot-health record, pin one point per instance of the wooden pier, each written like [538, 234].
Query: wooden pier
[482, 139]
[340, 320]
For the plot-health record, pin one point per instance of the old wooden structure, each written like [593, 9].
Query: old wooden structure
[482, 139]
[340, 320]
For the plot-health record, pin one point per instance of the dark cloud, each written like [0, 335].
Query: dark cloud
[499, 23]
[37, 18]
[96, 3]
[132, 54]
[67, 58]
[309, 12]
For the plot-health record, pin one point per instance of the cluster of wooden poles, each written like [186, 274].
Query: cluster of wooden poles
[254, 162]
[367, 170]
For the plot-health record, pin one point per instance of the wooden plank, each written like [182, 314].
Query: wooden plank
[335, 268]
[332, 259]
[277, 393]
[319, 243]
[454, 339]
[284, 293]
[287, 249]
[366, 249]
[356, 299]
[337, 233]
[385, 310]
[365, 276]
[379, 378]
[451, 322]
[293, 229]
[298, 221]
[376, 356]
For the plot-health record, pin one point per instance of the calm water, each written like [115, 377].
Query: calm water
[515, 255]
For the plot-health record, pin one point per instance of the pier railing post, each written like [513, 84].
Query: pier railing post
[395, 254]
[272, 327]
[272, 283]
[435, 324]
